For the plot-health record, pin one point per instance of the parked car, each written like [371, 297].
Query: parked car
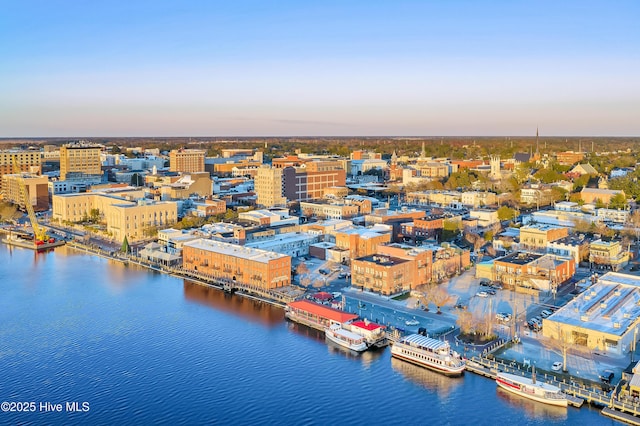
[496, 286]
[342, 275]
[482, 294]
[324, 271]
[491, 292]
[557, 366]
[546, 313]
[503, 316]
[484, 283]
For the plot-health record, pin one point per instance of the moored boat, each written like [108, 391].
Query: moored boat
[530, 388]
[345, 338]
[429, 353]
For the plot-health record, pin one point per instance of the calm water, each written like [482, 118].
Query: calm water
[144, 348]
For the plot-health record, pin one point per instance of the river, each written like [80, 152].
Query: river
[131, 346]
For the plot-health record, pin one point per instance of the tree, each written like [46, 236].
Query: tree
[466, 322]
[633, 224]
[125, 245]
[506, 213]
[474, 239]
[618, 201]
[94, 215]
[439, 297]
[302, 271]
[562, 341]
[522, 172]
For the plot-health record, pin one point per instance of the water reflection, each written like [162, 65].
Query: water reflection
[430, 380]
[532, 409]
[308, 332]
[366, 357]
[252, 310]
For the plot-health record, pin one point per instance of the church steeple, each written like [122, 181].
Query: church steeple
[537, 142]
[423, 154]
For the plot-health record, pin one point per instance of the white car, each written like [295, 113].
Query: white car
[557, 366]
[482, 294]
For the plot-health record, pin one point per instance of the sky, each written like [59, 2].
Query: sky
[319, 68]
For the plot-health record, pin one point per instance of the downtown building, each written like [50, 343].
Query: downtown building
[80, 160]
[275, 186]
[262, 269]
[27, 161]
[187, 160]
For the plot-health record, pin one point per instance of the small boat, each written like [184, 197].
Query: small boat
[529, 388]
[430, 353]
[412, 322]
[345, 338]
[362, 306]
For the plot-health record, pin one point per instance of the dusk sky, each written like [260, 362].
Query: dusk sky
[281, 68]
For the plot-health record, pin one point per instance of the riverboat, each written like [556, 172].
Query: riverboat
[429, 353]
[529, 388]
[345, 338]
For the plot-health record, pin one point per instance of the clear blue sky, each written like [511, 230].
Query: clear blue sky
[253, 68]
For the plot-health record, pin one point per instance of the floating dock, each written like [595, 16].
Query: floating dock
[620, 416]
[29, 244]
[477, 366]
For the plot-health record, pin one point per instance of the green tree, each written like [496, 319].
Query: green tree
[506, 213]
[125, 245]
[618, 201]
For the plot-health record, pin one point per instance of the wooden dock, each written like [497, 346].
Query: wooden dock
[620, 416]
[489, 368]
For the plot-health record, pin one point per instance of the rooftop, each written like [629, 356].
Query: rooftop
[235, 250]
[520, 258]
[611, 305]
[383, 260]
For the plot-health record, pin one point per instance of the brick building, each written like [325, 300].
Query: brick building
[263, 269]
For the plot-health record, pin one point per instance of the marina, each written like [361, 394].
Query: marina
[122, 298]
[430, 353]
[345, 338]
[529, 388]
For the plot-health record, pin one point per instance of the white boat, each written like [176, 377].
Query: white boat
[412, 322]
[345, 338]
[430, 353]
[529, 388]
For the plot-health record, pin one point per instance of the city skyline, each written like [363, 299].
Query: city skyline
[289, 69]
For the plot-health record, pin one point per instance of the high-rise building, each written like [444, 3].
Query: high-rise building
[80, 160]
[27, 161]
[37, 190]
[309, 182]
[187, 160]
[269, 187]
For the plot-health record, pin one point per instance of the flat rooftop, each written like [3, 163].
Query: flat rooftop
[611, 305]
[235, 250]
[520, 258]
[384, 260]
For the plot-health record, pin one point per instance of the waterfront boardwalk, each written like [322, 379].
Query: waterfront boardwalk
[278, 297]
[621, 410]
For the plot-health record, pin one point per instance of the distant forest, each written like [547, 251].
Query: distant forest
[451, 147]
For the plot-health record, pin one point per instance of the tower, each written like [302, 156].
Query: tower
[494, 162]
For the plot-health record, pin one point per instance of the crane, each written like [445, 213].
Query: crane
[40, 234]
